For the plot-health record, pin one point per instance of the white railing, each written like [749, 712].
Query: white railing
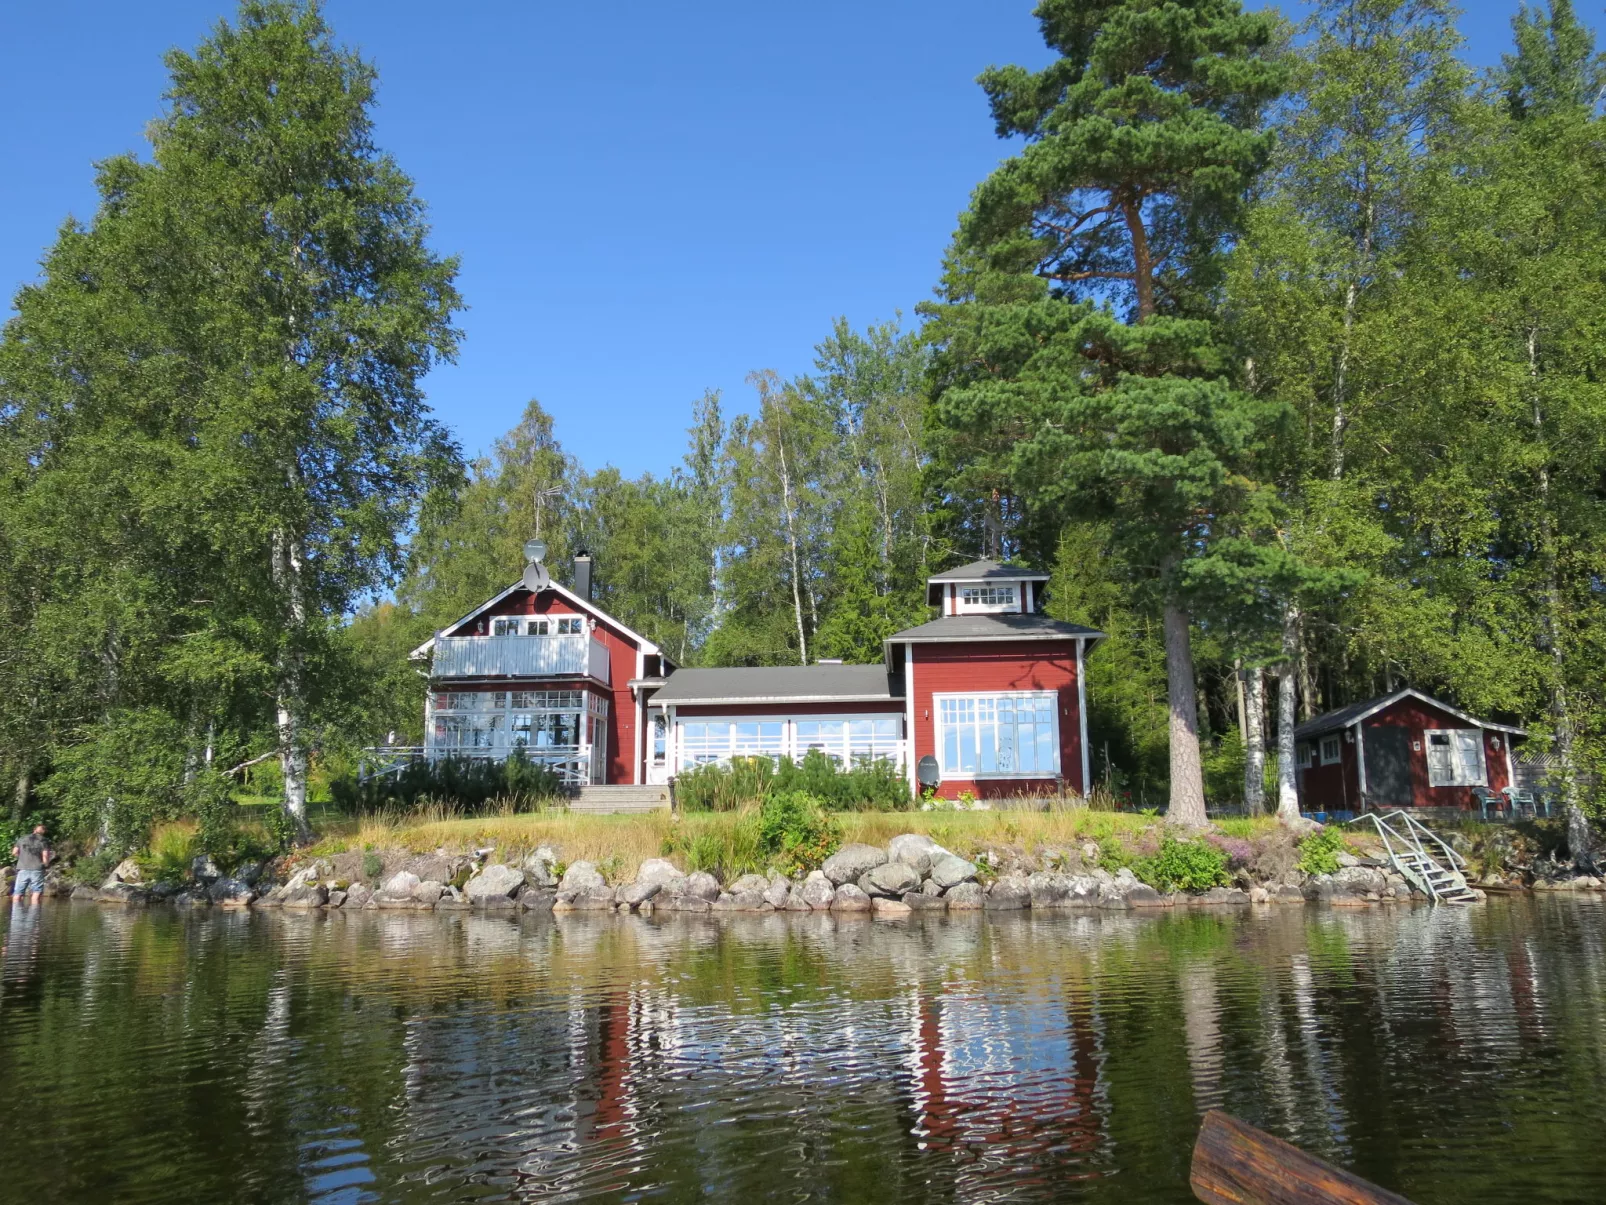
[519, 657]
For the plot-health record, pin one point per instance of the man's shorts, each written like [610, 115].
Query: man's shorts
[29, 882]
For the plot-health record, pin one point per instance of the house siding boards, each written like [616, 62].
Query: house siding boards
[998, 666]
[1398, 727]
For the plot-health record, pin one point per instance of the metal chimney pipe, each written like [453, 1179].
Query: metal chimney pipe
[582, 575]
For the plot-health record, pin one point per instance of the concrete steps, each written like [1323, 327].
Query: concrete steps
[619, 800]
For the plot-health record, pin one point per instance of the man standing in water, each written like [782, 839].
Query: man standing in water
[33, 854]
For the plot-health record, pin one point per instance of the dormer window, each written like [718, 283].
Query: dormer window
[981, 598]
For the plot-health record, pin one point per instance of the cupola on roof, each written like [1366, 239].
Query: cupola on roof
[978, 571]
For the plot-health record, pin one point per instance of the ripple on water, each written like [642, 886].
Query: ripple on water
[392, 1057]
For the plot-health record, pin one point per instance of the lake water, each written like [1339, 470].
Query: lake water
[1452, 1055]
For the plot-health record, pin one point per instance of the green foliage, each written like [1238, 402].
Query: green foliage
[168, 858]
[467, 783]
[210, 799]
[1318, 852]
[1183, 866]
[724, 787]
[119, 779]
[372, 866]
[1224, 760]
[795, 829]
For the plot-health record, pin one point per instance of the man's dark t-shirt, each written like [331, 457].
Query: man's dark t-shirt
[31, 852]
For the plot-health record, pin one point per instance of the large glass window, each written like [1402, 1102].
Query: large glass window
[845, 740]
[704, 741]
[1006, 734]
[1455, 758]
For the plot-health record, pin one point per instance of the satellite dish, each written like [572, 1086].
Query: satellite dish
[927, 772]
[535, 551]
[536, 578]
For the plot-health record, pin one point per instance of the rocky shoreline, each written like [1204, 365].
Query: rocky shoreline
[912, 873]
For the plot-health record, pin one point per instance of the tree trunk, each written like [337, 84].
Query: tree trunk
[288, 571]
[1187, 806]
[1142, 259]
[791, 544]
[1287, 697]
[1253, 683]
[19, 799]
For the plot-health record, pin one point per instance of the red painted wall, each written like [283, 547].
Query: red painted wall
[622, 729]
[1322, 788]
[999, 665]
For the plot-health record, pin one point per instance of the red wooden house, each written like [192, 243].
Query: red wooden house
[991, 690]
[1404, 749]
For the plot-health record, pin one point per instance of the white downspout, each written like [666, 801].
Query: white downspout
[1360, 759]
[909, 719]
[1081, 712]
[641, 719]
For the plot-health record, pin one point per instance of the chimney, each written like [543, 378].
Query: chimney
[582, 575]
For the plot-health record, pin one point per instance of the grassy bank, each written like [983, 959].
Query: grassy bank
[621, 843]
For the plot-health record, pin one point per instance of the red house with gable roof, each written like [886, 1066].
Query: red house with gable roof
[991, 691]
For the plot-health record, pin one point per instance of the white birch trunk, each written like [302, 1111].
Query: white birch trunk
[1287, 698]
[791, 543]
[288, 570]
[1254, 688]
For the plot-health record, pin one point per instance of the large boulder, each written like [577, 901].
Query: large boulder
[537, 899]
[849, 898]
[1009, 892]
[777, 891]
[889, 880]
[307, 895]
[359, 895]
[231, 893]
[1219, 896]
[399, 887]
[919, 901]
[914, 849]
[126, 871]
[428, 893]
[949, 870]
[634, 895]
[581, 876]
[123, 893]
[817, 891]
[882, 906]
[495, 882]
[796, 903]
[964, 897]
[749, 882]
[852, 861]
[1049, 889]
[750, 901]
[204, 870]
[538, 868]
[702, 885]
[658, 871]
[683, 903]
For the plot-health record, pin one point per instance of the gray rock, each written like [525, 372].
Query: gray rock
[337, 898]
[914, 849]
[882, 906]
[949, 870]
[1010, 891]
[308, 895]
[682, 903]
[598, 899]
[817, 891]
[852, 861]
[494, 882]
[1143, 896]
[964, 896]
[204, 870]
[796, 903]
[359, 895]
[849, 898]
[1346, 860]
[538, 868]
[725, 903]
[919, 901]
[1218, 896]
[702, 885]
[581, 876]
[1049, 889]
[777, 892]
[931, 887]
[428, 893]
[750, 901]
[889, 880]
[659, 872]
[750, 882]
[126, 871]
[123, 893]
[537, 899]
[1286, 893]
[231, 893]
[398, 887]
[251, 873]
[633, 895]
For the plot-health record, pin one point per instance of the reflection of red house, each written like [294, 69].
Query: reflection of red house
[1400, 750]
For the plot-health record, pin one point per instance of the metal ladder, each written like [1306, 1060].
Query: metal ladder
[1410, 845]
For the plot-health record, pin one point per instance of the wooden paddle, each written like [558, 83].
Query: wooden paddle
[1236, 1164]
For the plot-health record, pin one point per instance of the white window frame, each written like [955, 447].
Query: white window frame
[790, 744]
[1303, 755]
[940, 731]
[989, 605]
[1456, 770]
[1337, 743]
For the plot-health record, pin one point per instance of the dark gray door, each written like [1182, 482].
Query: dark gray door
[1388, 766]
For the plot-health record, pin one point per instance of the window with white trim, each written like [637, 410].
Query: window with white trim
[1003, 735]
[1332, 750]
[505, 627]
[846, 740]
[1455, 757]
[705, 741]
[984, 598]
[849, 741]
[1303, 755]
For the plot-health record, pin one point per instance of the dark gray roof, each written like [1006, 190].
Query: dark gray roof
[992, 627]
[1343, 717]
[779, 684]
[980, 571]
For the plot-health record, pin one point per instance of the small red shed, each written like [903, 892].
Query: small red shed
[1404, 749]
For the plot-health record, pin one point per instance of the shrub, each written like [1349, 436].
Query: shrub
[724, 787]
[1178, 865]
[372, 866]
[471, 784]
[727, 786]
[794, 828]
[1318, 853]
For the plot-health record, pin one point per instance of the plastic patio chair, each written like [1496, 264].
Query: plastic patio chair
[1485, 799]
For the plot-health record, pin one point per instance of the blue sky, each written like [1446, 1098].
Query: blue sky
[648, 199]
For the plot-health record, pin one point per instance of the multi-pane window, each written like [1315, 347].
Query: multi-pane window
[990, 597]
[1331, 752]
[851, 740]
[1004, 734]
[468, 731]
[704, 741]
[1455, 758]
[1304, 755]
[563, 625]
[570, 626]
[505, 627]
[846, 740]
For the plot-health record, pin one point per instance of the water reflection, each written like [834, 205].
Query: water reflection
[394, 1057]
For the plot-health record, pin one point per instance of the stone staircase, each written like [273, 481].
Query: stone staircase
[620, 800]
